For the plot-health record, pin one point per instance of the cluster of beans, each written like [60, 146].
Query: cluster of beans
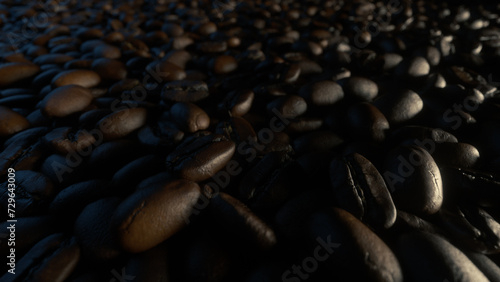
[276, 140]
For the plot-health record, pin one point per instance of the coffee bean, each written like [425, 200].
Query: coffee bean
[317, 141]
[400, 107]
[66, 100]
[361, 88]
[58, 59]
[11, 73]
[322, 93]
[414, 180]
[456, 154]
[360, 189]
[198, 159]
[109, 69]
[189, 117]
[238, 103]
[107, 51]
[122, 123]
[12, 122]
[148, 217]
[428, 256]
[289, 107]
[84, 78]
[365, 121]
[166, 70]
[185, 91]
[224, 64]
[93, 231]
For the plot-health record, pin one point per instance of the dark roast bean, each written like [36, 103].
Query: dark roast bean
[189, 117]
[472, 228]
[316, 141]
[129, 176]
[198, 159]
[84, 78]
[487, 266]
[148, 217]
[185, 91]
[427, 256]
[12, 122]
[65, 140]
[322, 93]
[33, 192]
[360, 189]
[361, 88]
[93, 231]
[238, 103]
[304, 124]
[167, 71]
[455, 154]
[70, 201]
[365, 121]
[109, 69]
[66, 100]
[237, 221]
[11, 73]
[109, 157]
[351, 250]
[224, 64]
[422, 136]
[52, 259]
[414, 180]
[400, 107]
[122, 123]
[289, 106]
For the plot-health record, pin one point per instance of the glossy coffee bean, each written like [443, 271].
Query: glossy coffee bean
[189, 117]
[361, 88]
[322, 93]
[414, 179]
[11, 73]
[360, 189]
[346, 244]
[66, 100]
[456, 154]
[93, 231]
[238, 103]
[148, 217]
[12, 122]
[365, 121]
[84, 78]
[185, 91]
[198, 159]
[109, 69]
[289, 106]
[122, 123]
[428, 256]
[400, 107]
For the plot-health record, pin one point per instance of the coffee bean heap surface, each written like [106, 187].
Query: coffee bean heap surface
[231, 140]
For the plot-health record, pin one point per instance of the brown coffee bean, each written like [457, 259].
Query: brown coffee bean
[109, 69]
[107, 51]
[322, 93]
[122, 123]
[185, 91]
[400, 107]
[150, 216]
[84, 78]
[11, 73]
[289, 106]
[66, 100]
[224, 64]
[365, 121]
[65, 140]
[189, 117]
[198, 159]
[11, 122]
[47, 59]
[238, 103]
[361, 88]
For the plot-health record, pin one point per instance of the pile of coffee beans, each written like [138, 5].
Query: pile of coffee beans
[232, 140]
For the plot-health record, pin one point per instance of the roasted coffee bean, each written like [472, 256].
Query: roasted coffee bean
[456, 154]
[12, 122]
[322, 93]
[472, 228]
[84, 78]
[189, 117]
[365, 121]
[65, 140]
[427, 256]
[360, 189]
[316, 141]
[361, 88]
[414, 180]
[11, 73]
[109, 69]
[237, 221]
[93, 231]
[166, 70]
[422, 136]
[198, 159]
[52, 259]
[122, 123]
[185, 91]
[148, 217]
[289, 106]
[224, 64]
[33, 192]
[347, 243]
[130, 175]
[487, 266]
[400, 107]
[238, 103]
[66, 100]
[70, 201]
